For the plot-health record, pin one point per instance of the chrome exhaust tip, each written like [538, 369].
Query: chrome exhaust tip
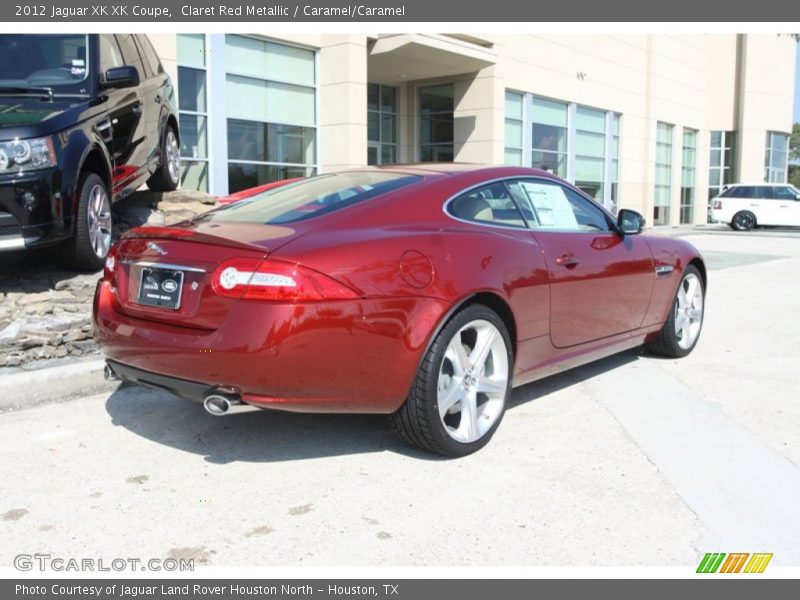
[220, 405]
[109, 374]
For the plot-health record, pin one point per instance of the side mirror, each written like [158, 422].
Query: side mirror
[630, 222]
[121, 77]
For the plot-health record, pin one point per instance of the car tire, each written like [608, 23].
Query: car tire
[743, 220]
[681, 330]
[458, 397]
[91, 238]
[168, 175]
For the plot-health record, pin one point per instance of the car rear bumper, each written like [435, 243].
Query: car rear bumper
[721, 216]
[348, 356]
[191, 390]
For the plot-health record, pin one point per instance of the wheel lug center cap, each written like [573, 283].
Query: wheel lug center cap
[469, 379]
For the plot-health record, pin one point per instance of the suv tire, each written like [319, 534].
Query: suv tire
[88, 247]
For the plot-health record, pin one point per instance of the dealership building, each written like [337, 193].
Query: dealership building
[656, 123]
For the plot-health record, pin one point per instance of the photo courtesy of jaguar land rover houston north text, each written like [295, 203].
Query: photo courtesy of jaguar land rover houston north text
[84, 121]
[423, 291]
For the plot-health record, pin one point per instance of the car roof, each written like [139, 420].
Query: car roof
[762, 183]
[456, 168]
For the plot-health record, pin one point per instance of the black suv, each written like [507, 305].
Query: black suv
[84, 121]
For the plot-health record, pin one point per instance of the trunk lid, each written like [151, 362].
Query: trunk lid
[185, 258]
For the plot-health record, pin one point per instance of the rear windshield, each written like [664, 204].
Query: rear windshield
[311, 197]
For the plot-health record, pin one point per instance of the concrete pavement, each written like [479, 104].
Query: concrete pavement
[629, 461]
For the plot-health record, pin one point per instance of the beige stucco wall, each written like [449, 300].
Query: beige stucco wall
[699, 81]
[166, 45]
[767, 89]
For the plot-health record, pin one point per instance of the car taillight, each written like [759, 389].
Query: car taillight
[272, 280]
[110, 267]
[717, 204]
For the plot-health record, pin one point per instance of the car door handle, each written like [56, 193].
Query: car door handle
[158, 98]
[568, 261]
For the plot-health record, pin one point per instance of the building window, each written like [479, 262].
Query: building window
[550, 132]
[721, 162]
[271, 111]
[661, 208]
[688, 168]
[193, 111]
[514, 129]
[776, 159]
[436, 107]
[590, 151]
[613, 188]
[578, 143]
[381, 124]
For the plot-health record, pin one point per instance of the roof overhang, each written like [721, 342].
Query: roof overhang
[407, 57]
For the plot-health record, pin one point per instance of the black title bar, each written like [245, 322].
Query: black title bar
[441, 11]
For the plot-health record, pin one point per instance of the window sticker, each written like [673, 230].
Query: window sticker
[78, 68]
[553, 209]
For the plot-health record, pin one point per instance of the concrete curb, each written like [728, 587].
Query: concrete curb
[26, 389]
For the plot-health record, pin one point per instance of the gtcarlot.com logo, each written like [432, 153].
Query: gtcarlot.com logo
[48, 562]
[736, 562]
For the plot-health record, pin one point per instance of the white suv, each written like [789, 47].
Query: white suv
[747, 205]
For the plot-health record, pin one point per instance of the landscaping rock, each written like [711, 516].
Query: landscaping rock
[45, 311]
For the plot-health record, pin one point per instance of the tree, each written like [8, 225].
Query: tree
[794, 156]
[794, 175]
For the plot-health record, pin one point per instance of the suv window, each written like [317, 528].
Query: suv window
[150, 56]
[130, 54]
[491, 204]
[550, 205]
[110, 56]
[780, 192]
[311, 197]
[740, 191]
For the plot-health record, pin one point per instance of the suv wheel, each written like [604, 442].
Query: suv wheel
[87, 249]
[168, 174]
[743, 220]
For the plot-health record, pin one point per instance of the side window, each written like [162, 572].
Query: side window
[490, 204]
[110, 56]
[550, 205]
[763, 192]
[149, 55]
[784, 193]
[740, 191]
[129, 52]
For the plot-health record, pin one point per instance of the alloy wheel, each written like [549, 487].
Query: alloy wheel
[744, 221]
[173, 156]
[99, 221]
[688, 311]
[473, 381]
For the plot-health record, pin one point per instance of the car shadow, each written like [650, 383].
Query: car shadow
[276, 436]
[33, 271]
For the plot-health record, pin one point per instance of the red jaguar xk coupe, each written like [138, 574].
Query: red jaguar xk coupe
[424, 292]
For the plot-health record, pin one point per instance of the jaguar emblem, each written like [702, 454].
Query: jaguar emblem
[156, 248]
